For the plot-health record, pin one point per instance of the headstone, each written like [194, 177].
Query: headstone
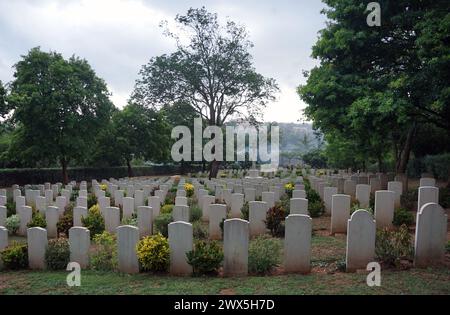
[52, 217]
[375, 185]
[61, 203]
[427, 194]
[3, 241]
[250, 194]
[328, 193]
[25, 215]
[361, 231]
[363, 195]
[128, 207]
[112, 219]
[257, 217]
[427, 182]
[180, 242]
[384, 208]
[217, 212]
[431, 235]
[403, 179]
[3, 214]
[37, 245]
[297, 243]
[155, 203]
[226, 193]
[127, 238]
[235, 243]
[181, 213]
[237, 202]
[118, 197]
[340, 213]
[396, 187]
[299, 194]
[82, 202]
[145, 220]
[79, 243]
[299, 206]
[207, 200]
[181, 201]
[78, 213]
[350, 188]
[269, 198]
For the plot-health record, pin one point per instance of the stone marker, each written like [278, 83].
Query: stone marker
[52, 217]
[427, 194]
[25, 215]
[37, 245]
[249, 194]
[299, 206]
[181, 193]
[350, 188]
[299, 194]
[431, 235]
[3, 214]
[79, 243]
[82, 202]
[384, 208]
[269, 198]
[118, 197]
[363, 195]
[155, 203]
[427, 182]
[237, 202]
[20, 202]
[138, 199]
[181, 213]
[257, 217]
[206, 201]
[297, 243]
[375, 185]
[226, 194]
[340, 213]
[235, 244]
[112, 219]
[360, 240]
[145, 220]
[78, 213]
[61, 203]
[128, 207]
[127, 238]
[396, 187]
[180, 242]
[328, 193]
[181, 201]
[217, 212]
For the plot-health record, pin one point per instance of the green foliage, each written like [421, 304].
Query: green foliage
[65, 223]
[153, 253]
[245, 211]
[206, 257]
[315, 158]
[409, 199]
[37, 220]
[10, 208]
[12, 224]
[104, 255]
[403, 216]
[91, 200]
[130, 220]
[57, 254]
[161, 223]
[199, 230]
[444, 197]
[15, 256]
[316, 208]
[263, 254]
[275, 221]
[167, 209]
[94, 221]
[170, 198]
[393, 246]
[196, 213]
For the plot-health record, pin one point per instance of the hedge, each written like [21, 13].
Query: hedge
[24, 176]
[438, 165]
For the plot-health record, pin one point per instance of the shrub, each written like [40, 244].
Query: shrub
[263, 254]
[274, 221]
[189, 188]
[316, 208]
[221, 225]
[91, 200]
[409, 199]
[94, 221]
[403, 216]
[444, 197]
[12, 224]
[199, 230]
[167, 208]
[206, 257]
[15, 256]
[170, 198]
[65, 223]
[161, 223]
[311, 195]
[245, 211]
[196, 213]
[153, 253]
[285, 203]
[10, 208]
[57, 255]
[37, 220]
[393, 246]
[289, 188]
[104, 256]
[130, 220]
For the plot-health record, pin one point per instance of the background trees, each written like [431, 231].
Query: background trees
[213, 73]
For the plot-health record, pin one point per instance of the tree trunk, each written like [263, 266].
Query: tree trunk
[65, 176]
[404, 158]
[214, 169]
[130, 170]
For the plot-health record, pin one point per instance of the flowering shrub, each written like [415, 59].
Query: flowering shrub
[94, 221]
[12, 224]
[167, 209]
[289, 188]
[37, 220]
[15, 256]
[103, 186]
[189, 188]
[153, 253]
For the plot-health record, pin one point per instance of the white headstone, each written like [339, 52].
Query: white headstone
[427, 194]
[297, 243]
[396, 187]
[257, 217]
[299, 206]
[237, 202]
[52, 217]
[78, 213]
[112, 219]
[361, 232]
[384, 208]
[180, 242]
[128, 207]
[340, 213]
[127, 238]
[79, 243]
[145, 220]
[363, 195]
[37, 245]
[25, 215]
[217, 213]
[235, 243]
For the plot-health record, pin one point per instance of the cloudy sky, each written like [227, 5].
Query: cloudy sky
[118, 36]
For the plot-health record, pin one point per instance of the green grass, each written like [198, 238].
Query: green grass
[426, 281]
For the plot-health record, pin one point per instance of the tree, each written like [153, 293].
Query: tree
[3, 104]
[377, 85]
[214, 73]
[134, 132]
[59, 106]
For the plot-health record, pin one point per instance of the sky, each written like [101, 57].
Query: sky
[117, 37]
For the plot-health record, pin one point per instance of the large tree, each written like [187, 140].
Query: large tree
[213, 73]
[376, 85]
[59, 106]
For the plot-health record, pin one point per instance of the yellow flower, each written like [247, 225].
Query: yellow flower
[103, 186]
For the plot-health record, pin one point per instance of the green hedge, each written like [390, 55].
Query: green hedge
[24, 176]
[438, 165]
